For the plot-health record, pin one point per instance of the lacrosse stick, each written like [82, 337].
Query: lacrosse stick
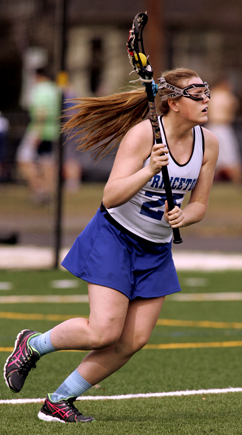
[143, 68]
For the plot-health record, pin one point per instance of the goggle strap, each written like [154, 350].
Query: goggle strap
[175, 91]
[178, 92]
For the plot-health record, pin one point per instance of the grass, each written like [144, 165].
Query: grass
[150, 370]
[18, 214]
[223, 216]
[176, 416]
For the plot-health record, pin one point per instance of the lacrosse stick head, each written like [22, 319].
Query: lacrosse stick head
[135, 48]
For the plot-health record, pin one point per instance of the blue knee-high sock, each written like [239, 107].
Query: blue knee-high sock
[73, 386]
[42, 343]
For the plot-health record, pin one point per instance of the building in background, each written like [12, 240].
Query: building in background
[203, 35]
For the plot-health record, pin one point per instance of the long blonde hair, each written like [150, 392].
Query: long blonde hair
[99, 124]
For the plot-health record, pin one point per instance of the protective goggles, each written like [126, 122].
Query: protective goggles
[188, 91]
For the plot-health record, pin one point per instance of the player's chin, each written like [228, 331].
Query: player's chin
[204, 115]
[202, 118]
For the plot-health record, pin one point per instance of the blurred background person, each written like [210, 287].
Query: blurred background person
[4, 127]
[72, 159]
[36, 153]
[222, 111]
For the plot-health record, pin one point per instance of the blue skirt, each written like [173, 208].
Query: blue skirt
[103, 254]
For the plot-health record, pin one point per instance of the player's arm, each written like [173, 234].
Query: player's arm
[198, 203]
[128, 175]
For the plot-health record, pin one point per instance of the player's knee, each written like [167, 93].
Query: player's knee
[104, 337]
[127, 348]
[139, 342]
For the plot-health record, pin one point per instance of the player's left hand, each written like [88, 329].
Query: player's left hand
[175, 217]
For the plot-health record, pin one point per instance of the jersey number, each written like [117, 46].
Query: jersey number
[149, 208]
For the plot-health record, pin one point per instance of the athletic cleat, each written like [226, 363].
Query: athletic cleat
[63, 411]
[21, 361]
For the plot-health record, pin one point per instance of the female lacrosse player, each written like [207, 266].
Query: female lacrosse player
[124, 253]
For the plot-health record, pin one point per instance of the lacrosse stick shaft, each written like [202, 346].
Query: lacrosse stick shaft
[144, 69]
[156, 128]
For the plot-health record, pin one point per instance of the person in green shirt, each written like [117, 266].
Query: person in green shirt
[35, 156]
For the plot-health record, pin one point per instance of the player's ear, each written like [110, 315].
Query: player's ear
[173, 104]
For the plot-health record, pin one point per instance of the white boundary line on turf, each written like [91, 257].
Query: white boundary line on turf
[133, 396]
[31, 257]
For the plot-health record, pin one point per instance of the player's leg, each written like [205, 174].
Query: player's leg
[99, 364]
[141, 318]
[108, 310]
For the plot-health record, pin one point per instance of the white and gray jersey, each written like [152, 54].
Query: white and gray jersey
[143, 215]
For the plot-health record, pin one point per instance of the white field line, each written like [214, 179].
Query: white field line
[132, 396]
[188, 260]
[199, 297]
[65, 299]
[25, 257]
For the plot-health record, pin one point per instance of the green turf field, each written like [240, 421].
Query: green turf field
[19, 215]
[184, 353]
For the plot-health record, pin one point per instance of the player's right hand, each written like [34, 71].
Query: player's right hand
[159, 157]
